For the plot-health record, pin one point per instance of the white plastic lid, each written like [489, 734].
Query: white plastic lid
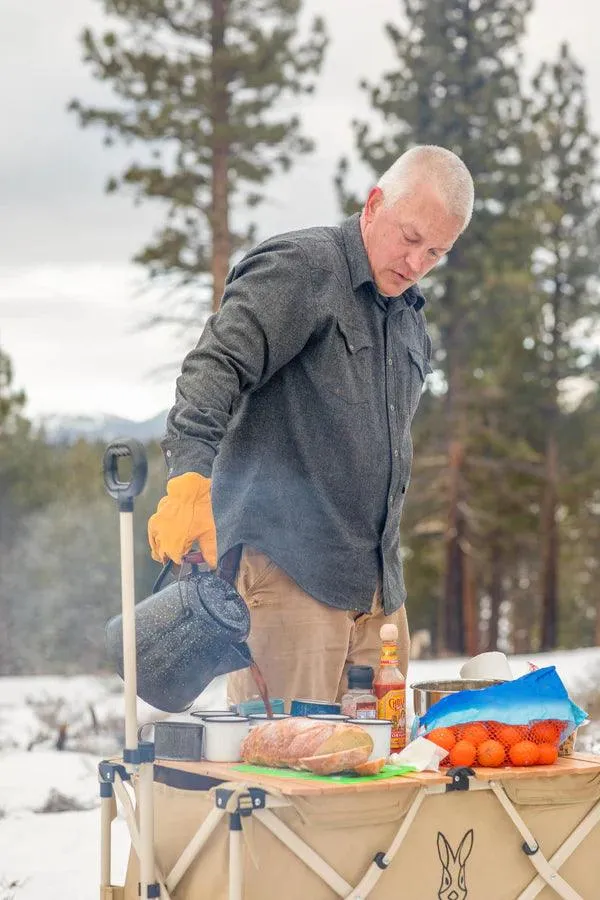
[388, 632]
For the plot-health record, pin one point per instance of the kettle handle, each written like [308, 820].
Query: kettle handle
[161, 576]
[195, 559]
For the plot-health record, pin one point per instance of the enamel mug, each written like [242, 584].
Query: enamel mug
[223, 736]
[381, 735]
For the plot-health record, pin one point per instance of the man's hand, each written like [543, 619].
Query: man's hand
[185, 515]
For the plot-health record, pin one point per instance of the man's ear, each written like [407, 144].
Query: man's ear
[374, 201]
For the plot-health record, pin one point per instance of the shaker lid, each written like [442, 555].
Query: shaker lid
[360, 676]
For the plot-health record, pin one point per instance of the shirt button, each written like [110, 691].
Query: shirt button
[391, 498]
[395, 453]
[392, 407]
[390, 361]
[351, 346]
[168, 454]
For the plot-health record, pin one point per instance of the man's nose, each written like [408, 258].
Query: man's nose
[415, 260]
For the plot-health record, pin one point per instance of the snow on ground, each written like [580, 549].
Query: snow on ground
[55, 855]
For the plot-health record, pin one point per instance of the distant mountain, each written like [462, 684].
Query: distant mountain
[67, 429]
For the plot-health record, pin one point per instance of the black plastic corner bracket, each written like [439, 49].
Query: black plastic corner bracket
[380, 860]
[460, 776]
[253, 799]
[108, 770]
[530, 851]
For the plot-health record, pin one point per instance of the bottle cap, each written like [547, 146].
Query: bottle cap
[360, 677]
[388, 632]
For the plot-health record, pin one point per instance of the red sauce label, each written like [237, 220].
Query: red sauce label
[391, 704]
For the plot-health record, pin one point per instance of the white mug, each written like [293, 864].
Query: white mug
[380, 731]
[223, 736]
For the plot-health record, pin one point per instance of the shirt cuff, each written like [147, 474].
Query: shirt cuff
[188, 455]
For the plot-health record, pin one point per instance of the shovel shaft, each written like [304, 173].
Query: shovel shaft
[128, 611]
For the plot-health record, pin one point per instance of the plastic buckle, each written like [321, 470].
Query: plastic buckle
[460, 776]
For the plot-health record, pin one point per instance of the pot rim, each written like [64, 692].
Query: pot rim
[445, 684]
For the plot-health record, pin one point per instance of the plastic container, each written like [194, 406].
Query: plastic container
[359, 701]
[255, 707]
[223, 736]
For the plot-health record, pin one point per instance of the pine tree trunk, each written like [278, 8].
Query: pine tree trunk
[456, 594]
[550, 548]
[453, 620]
[470, 610]
[495, 596]
[219, 217]
[549, 529]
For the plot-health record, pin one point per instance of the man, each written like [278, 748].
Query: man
[292, 423]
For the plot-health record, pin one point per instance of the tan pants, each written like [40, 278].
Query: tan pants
[303, 647]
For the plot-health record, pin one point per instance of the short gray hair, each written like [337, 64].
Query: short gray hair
[434, 165]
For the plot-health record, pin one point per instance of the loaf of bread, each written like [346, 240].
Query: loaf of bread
[300, 743]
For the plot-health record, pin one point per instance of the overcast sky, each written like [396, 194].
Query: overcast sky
[69, 298]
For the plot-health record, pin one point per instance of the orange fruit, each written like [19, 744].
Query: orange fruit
[491, 754]
[464, 753]
[525, 753]
[547, 754]
[544, 732]
[511, 734]
[476, 733]
[443, 737]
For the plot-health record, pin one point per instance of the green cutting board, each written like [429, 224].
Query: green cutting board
[386, 772]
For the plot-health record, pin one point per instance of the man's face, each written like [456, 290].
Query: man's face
[406, 240]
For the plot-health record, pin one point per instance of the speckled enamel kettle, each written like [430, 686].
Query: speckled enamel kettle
[187, 632]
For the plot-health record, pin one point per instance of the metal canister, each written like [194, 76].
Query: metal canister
[314, 707]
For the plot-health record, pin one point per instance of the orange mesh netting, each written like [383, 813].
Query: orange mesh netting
[492, 744]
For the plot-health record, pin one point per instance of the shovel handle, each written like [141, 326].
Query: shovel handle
[124, 491]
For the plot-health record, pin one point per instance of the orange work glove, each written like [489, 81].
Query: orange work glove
[185, 515]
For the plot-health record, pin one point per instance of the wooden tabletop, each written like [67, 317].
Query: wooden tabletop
[578, 764]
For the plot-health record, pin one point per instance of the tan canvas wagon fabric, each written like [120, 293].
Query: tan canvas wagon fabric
[460, 846]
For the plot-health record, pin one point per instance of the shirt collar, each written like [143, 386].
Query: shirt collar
[360, 270]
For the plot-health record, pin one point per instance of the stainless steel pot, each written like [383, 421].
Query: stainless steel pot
[426, 693]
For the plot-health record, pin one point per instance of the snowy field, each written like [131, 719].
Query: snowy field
[49, 822]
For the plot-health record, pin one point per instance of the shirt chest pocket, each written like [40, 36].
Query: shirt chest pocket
[347, 363]
[418, 369]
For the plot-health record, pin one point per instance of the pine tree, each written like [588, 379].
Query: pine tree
[11, 401]
[567, 266]
[202, 86]
[457, 84]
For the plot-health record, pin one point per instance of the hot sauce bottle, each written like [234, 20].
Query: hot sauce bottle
[389, 687]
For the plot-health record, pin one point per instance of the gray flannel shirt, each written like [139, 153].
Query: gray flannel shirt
[298, 401]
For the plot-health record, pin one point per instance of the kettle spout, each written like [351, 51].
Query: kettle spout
[236, 657]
